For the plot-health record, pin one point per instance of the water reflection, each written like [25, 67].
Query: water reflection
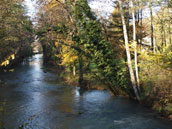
[2, 113]
[32, 100]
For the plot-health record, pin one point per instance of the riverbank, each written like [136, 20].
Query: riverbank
[33, 94]
[67, 78]
[163, 111]
[16, 58]
[150, 102]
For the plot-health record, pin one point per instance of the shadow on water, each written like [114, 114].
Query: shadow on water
[31, 100]
[2, 113]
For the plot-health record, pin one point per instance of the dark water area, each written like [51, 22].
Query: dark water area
[32, 100]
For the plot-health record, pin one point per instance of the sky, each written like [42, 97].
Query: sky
[31, 8]
[104, 7]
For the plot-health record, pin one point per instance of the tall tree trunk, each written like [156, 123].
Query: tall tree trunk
[169, 23]
[163, 33]
[163, 25]
[135, 44]
[132, 76]
[74, 70]
[169, 32]
[128, 18]
[80, 60]
[141, 25]
[152, 28]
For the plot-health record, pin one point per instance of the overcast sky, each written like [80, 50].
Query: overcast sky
[105, 7]
[31, 7]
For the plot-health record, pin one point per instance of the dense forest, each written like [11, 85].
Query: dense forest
[16, 32]
[128, 54]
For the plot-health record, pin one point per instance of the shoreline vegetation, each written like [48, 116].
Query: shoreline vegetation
[129, 58]
[67, 79]
[128, 55]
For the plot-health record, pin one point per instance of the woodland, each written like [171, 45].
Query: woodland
[129, 54]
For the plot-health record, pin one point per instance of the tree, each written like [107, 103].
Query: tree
[132, 76]
[135, 44]
[16, 31]
[80, 30]
[169, 21]
[152, 27]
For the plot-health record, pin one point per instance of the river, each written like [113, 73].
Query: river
[31, 99]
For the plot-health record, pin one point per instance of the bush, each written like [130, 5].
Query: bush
[156, 79]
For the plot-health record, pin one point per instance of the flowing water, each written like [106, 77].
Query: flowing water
[30, 99]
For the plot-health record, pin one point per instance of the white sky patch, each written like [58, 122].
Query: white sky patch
[104, 7]
[31, 8]
[146, 12]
